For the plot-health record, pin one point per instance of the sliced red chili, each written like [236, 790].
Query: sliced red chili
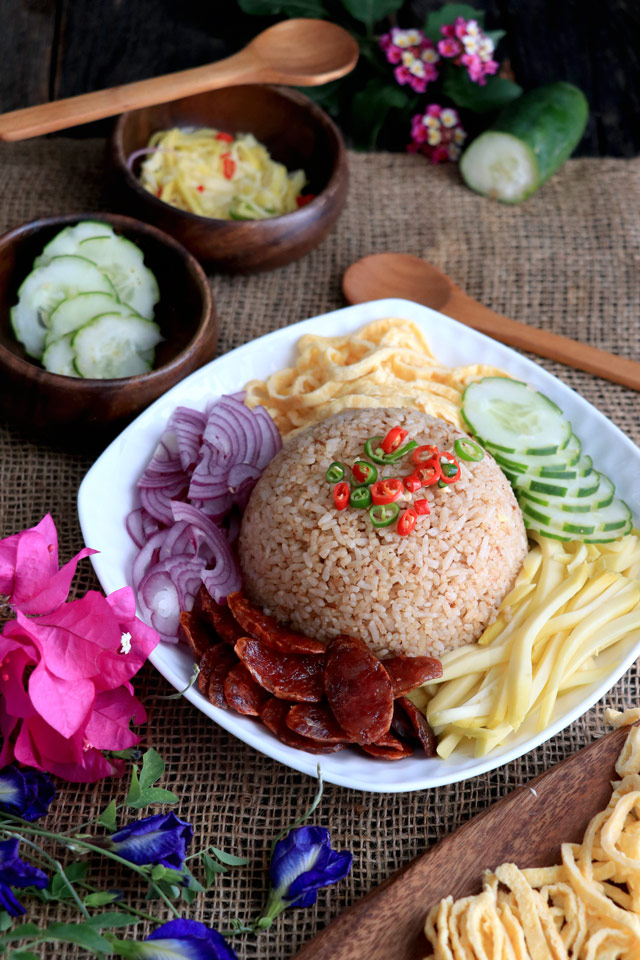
[425, 453]
[307, 198]
[228, 165]
[364, 472]
[421, 507]
[427, 474]
[341, 494]
[386, 491]
[200, 188]
[226, 137]
[393, 439]
[449, 467]
[412, 483]
[407, 522]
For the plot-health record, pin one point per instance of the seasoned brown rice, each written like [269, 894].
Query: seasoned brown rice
[327, 572]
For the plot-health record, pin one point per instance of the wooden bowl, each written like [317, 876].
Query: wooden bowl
[296, 133]
[41, 401]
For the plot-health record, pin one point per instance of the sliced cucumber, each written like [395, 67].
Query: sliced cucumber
[68, 240]
[576, 489]
[75, 312]
[536, 465]
[599, 523]
[59, 357]
[123, 263]
[530, 139]
[44, 289]
[585, 502]
[110, 346]
[582, 468]
[514, 418]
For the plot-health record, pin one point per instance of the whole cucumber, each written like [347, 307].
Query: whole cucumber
[531, 139]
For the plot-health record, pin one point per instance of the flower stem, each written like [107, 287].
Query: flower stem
[71, 843]
[59, 869]
[305, 816]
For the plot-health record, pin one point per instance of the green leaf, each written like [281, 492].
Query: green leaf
[20, 932]
[153, 767]
[134, 789]
[73, 872]
[292, 8]
[496, 35]
[23, 955]
[370, 11]
[211, 869]
[371, 108]
[189, 895]
[449, 14]
[154, 795]
[160, 872]
[108, 816]
[229, 859]
[131, 753]
[80, 933]
[497, 91]
[100, 898]
[5, 920]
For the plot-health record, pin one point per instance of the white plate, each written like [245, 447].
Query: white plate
[108, 493]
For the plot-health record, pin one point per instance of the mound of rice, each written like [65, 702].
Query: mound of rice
[326, 572]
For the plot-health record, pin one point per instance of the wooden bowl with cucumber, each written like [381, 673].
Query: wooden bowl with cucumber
[101, 314]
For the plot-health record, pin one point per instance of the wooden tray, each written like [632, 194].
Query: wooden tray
[525, 827]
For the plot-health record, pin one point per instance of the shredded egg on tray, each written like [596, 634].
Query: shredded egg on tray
[214, 174]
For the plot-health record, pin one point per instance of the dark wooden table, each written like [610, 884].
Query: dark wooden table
[58, 48]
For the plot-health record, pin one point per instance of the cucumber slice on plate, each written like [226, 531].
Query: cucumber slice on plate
[519, 463]
[59, 357]
[608, 522]
[581, 488]
[530, 139]
[68, 240]
[110, 346]
[123, 262]
[514, 418]
[75, 312]
[585, 502]
[44, 289]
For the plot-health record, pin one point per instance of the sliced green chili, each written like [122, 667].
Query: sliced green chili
[374, 451]
[383, 515]
[468, 449]
[360, 498]
[335, 473]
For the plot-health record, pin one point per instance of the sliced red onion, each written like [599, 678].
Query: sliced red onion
[188, 426]
[141, 526]
[199, 479]
[143, 151]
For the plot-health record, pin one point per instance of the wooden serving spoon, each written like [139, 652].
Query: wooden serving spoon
[299, 52]
[400, 275]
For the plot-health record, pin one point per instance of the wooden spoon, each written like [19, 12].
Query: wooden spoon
[299, 52]
[400, 275]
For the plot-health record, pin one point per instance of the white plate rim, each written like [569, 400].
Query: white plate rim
[439, 330]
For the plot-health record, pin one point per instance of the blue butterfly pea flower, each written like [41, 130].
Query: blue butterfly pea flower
[161, 839]
[185, 940]
[302, 863]
[25, 793]
[14, 872]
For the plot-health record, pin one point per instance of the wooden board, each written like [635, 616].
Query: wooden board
[525, 827]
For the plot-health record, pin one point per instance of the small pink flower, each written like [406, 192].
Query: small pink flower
[449, 48]
[460, 27]
[437, 134]
[414, 56]
[449, 30]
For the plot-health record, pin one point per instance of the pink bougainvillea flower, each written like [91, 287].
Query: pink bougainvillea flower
[29, 575]
[469, 46]
[415, 56]
[437, 134]
[65, 691]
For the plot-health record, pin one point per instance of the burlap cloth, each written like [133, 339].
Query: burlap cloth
[568, 260]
